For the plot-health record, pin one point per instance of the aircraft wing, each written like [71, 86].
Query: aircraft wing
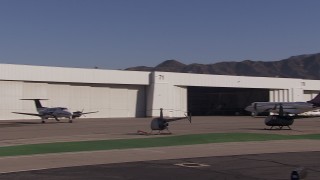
[78, 114]
[30, 114]
[89, 112]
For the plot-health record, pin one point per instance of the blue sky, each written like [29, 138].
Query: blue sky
[116, 34]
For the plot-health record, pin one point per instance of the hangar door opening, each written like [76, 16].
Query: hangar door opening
[209, 101]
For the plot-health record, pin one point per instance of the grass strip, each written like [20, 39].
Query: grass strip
[79, 146]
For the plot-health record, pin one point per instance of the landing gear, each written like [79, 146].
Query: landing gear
[161, 131]
[280, 127]
[254, 114]
[43, 120]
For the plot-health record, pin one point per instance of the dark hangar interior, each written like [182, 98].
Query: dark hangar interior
[211, 101]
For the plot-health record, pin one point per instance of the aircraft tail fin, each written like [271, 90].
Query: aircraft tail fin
[315, 100]
[36, 102]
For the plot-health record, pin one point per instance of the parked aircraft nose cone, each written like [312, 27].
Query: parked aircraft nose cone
[249, 108]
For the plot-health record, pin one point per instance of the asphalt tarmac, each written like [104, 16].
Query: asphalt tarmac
[257, 166]
[254, 160]
[33, 131]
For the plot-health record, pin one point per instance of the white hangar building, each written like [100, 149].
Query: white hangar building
[117, 93]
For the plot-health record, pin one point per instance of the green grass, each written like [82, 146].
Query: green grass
[144, 142]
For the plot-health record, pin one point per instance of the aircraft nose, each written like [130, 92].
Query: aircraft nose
[69, 113]
[249, 108]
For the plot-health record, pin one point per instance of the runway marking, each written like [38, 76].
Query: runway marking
[192, 165]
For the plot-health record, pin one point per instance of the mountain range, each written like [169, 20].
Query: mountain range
[302, 66]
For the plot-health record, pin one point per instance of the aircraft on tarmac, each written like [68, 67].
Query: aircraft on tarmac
[161, 123]
[54, 112]
[285, 112]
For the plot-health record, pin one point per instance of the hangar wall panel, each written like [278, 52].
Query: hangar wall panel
[10, 91]
[98, 98]
[163, 94]
[136, 96]
[180, 101]
[118, 104]
[159, 98]
[59, 95]
[109, 100]
[308, 95]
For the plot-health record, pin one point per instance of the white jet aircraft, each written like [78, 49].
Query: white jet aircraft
[286, 111]
[54, 112]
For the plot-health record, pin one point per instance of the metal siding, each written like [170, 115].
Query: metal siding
[118, 106]
[78, 99]
[31, 91]
[109, 100]
[308, 95]
[71, 75]
[58, 95]
[99, 101]
[136, 102]
[10, 93]
[180, 101]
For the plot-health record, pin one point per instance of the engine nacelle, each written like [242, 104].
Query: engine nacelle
[159, 124]
[276, 120]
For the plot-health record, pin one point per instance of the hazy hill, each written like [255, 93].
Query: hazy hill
[303, 66]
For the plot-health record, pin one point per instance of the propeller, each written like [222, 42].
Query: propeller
[77, 114]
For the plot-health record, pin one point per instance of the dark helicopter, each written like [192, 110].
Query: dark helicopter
[286, 112]
[161, 123]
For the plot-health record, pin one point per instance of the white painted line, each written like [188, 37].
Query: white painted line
[192, 165]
